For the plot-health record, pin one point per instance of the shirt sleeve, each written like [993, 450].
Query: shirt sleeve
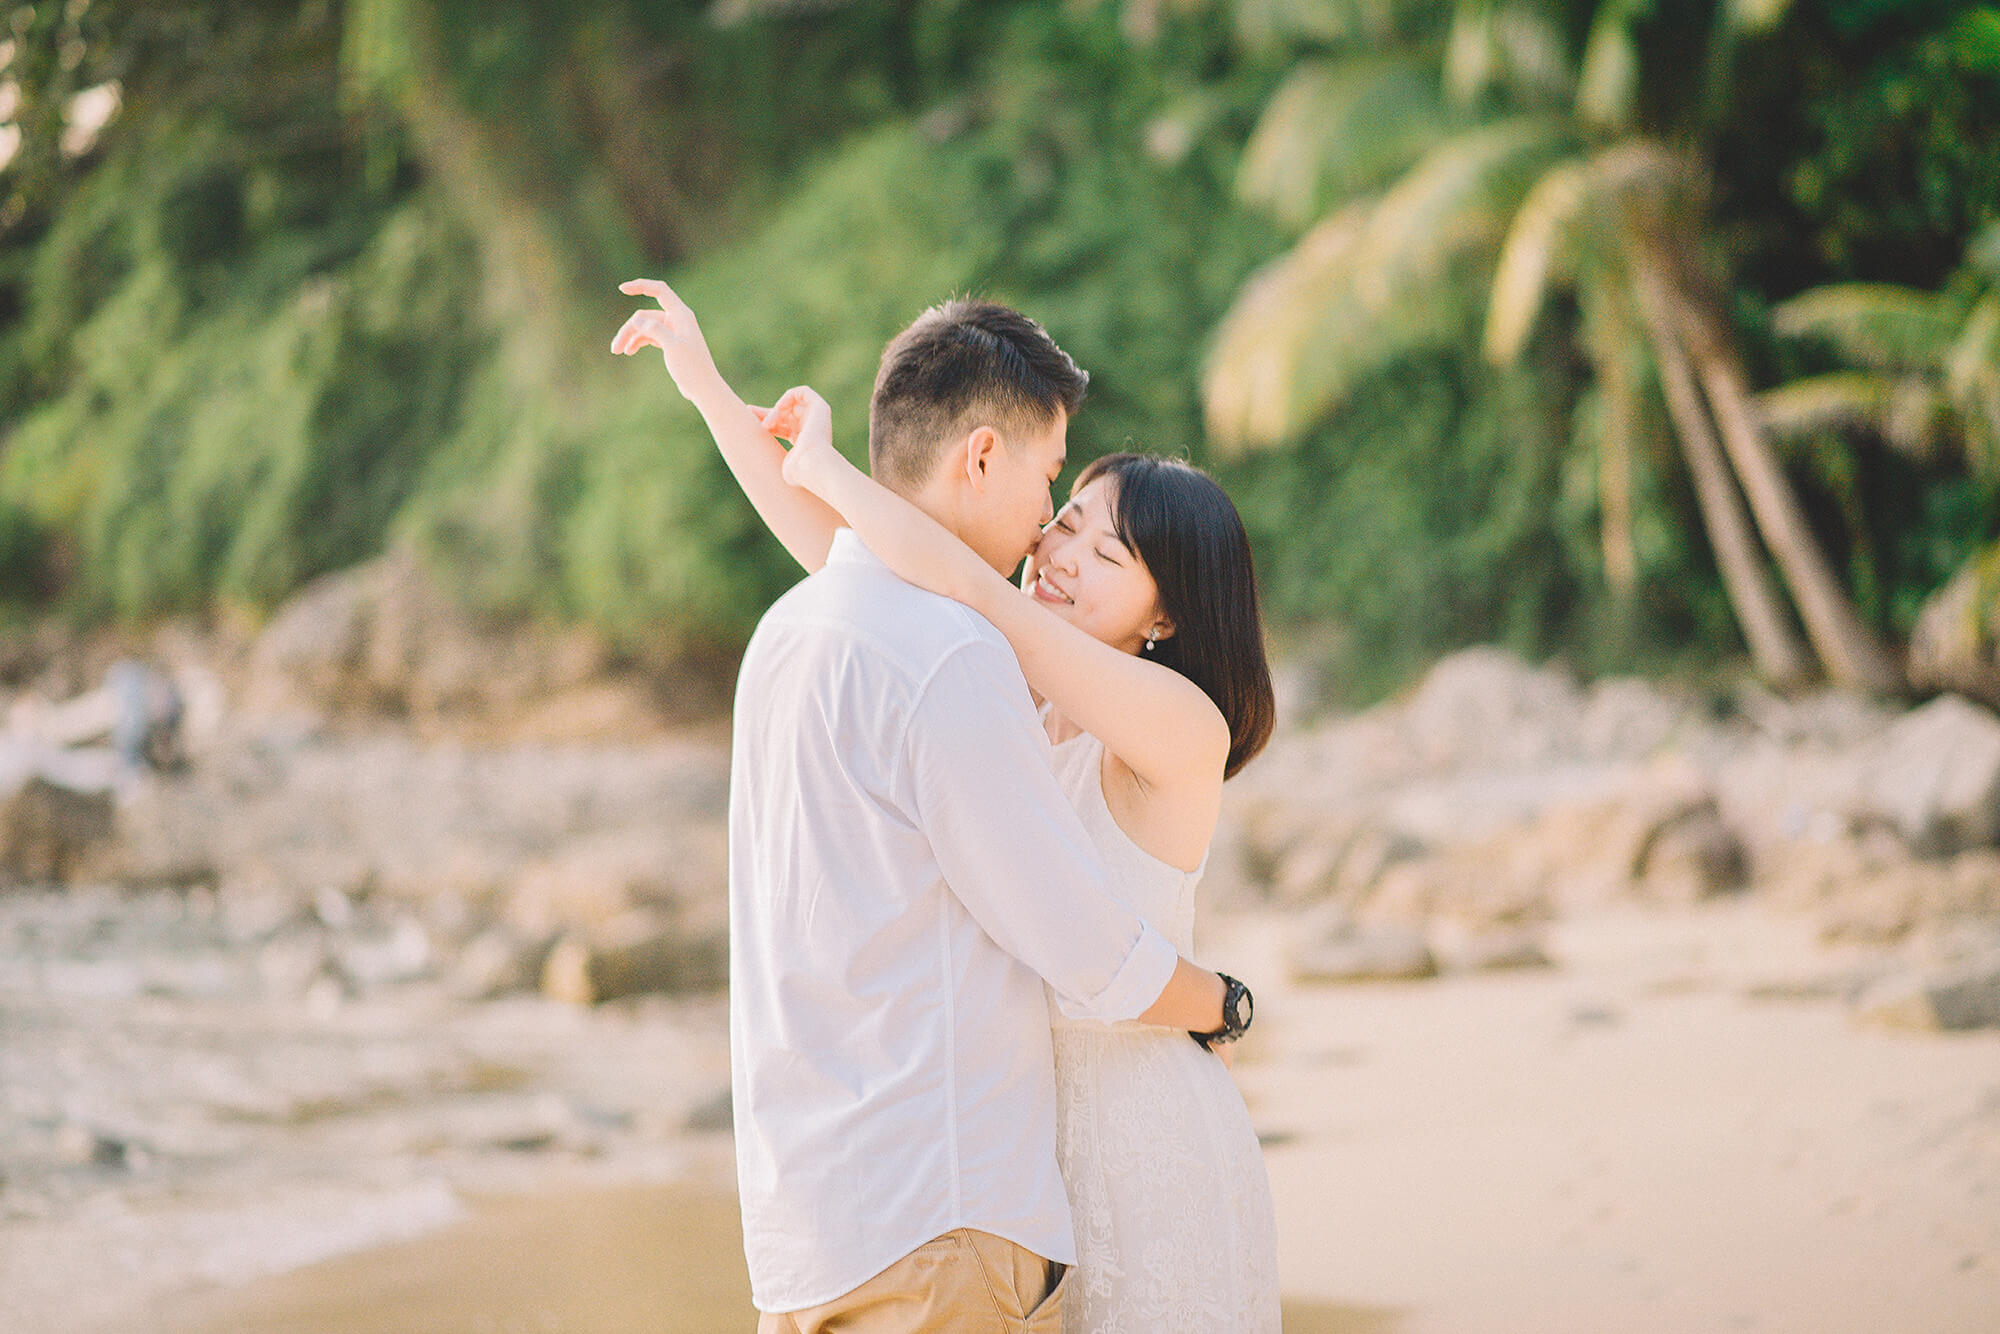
[1011, 847]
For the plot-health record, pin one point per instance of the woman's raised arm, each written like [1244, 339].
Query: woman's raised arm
[799, 519]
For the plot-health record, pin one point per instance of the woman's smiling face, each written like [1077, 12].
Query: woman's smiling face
[1084, 572]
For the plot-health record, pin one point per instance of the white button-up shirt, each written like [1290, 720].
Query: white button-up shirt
[904, 873]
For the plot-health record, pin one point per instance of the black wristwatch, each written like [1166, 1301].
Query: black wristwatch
[1238, 1008]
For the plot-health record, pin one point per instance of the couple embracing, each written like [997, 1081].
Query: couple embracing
[967, 821]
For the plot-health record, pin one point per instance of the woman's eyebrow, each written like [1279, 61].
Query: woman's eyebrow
[1083, 511]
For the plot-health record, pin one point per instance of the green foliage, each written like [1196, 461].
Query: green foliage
[646, 533]
[24, 557]
[245, 369]
[1901, 139]
[1420, 518]
[1447, 504]
[237, 434]
[339, 276]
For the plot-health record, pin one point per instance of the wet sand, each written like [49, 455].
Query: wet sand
[637, 1260]
[652, 1260]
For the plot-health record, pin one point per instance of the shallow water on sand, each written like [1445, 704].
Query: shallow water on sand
[635, 1260]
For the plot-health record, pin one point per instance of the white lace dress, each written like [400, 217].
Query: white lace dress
[1174, 1226]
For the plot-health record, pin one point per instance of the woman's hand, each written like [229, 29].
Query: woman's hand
[803, 418]
[673, 330]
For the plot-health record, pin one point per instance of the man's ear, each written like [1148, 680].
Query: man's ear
[981, 449]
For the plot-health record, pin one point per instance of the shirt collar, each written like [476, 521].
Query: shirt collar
[847, 549]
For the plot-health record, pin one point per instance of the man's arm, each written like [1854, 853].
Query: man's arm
[1192, 1000]
[1016, 855]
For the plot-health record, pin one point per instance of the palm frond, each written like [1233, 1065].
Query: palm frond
[1582, 218]
[1839, 401]
[1251, 381]
[1337, 128]
[1873, 325]
[1266, 23]
[1516, 47]
[1983, 253]
[1534, 52]
[1757, 16]
[1534, 251]
[1909, 412]
[1459, 199]
[1610, 77]
[1972, 377]
[1372, 284]
[1471, 56]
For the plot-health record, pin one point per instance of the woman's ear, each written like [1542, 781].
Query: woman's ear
[1161, 628]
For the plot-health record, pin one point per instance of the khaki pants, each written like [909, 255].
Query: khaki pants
[964, 1280]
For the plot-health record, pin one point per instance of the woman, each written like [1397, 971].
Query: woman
[1137, 625]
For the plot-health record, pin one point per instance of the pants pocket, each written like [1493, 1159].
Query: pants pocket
[1017, 1279]
[1048, 1317]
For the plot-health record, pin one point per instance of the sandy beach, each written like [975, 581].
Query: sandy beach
[1672, 1132]
[1677, 1128]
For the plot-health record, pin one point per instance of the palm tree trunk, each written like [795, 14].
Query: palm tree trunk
[1779, 656]
[1614, 453]
[1850, 653]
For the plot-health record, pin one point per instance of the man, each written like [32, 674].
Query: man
[905, 873]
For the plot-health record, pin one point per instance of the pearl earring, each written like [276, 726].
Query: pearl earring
[1152, 639]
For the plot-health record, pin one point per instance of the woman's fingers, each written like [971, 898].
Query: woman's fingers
[779, 419]
[795, 409]
[671, 323]
[783, 418]
[630, 336]
[797, 401]
[651, 287]
[645, 328]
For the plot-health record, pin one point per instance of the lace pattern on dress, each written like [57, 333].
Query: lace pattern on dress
[1175, 1231]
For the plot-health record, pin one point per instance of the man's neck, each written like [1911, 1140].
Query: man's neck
[938, 504]
[942, 502]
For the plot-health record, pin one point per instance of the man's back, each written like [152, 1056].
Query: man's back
[903, 874]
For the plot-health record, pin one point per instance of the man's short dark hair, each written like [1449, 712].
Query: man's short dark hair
[961, 365]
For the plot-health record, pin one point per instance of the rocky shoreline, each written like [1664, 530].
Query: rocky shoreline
[1445, 828]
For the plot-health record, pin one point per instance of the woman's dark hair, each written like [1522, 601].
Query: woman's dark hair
[1186, 530]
